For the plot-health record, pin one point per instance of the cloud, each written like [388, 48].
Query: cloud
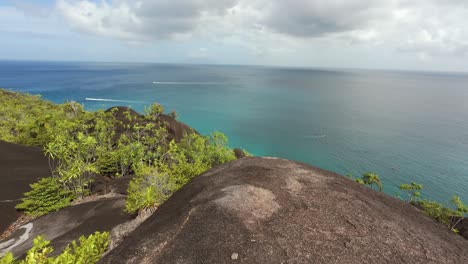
[199, 53]
[31, 9]
[140, 20]
[430, 27]
[303, 18]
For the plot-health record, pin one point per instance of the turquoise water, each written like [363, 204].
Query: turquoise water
[404, 126]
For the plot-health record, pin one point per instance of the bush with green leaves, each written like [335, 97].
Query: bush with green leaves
[27, 119]
[149, 188]
[175, 167]
[194, 155]
[372, 179]
[460, 212]
[412, 190]
[444, 214]
[45, 196]
[153, 111]
[88, 250]
[437, 211]
[75, 161]
[368, 178]
[82, 144]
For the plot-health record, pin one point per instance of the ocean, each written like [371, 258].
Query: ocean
[404, 126]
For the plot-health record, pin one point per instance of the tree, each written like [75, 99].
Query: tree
[371, 179]
[413, 191]
[460, 210]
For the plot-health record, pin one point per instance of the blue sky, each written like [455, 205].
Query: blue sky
[388, 34]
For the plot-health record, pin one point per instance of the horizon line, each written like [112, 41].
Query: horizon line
[324, 68]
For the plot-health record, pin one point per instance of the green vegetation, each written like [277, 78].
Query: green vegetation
[148, 189]
[173, 114]
[154, 111]
[369, 178]
[82, 144]
[412, 190]
[27, 119]
[447, 216]
[45, 196]
[174, 168]
[450, 217]
[372, 179]
[88, 250]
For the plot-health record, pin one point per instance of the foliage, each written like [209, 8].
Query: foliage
[45, 196]
[371, 179]
[87, 251]
[7, 259]
[149, 188]
[76, 161]
[435, 210]
[154, 111]
[194, 155]
[413, 191]
[175, 167]
[360, 181]
[460, 208]
[173, 114]
[82, 144]
[27, 119]
[443, 214]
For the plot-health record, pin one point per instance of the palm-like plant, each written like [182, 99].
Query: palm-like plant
[371, 178]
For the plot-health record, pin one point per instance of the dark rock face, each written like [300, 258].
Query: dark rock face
[239, 153]
[265, 210]
[68, 224]
[104, 185]
[19, 167]
[176, 130]
[461, 224]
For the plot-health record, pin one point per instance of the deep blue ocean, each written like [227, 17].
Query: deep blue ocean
[405, 126]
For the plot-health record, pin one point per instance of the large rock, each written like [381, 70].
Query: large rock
[67, 225]
[461, 224]
[264, 210]
[176, 130]
[19, 167]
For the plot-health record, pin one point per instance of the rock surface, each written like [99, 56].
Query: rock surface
[269, 210]
[20, 166]
[176, 130]
[461, 224]
[239, 153]
[68, 224]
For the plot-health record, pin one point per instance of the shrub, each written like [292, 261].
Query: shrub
[195, 154]
[7, 259]
[175, 167]
[413, 191]
[88, 251]
[75, 161]
[435, 210]
[45, 196]
[27, 119]
[461, 210]
[371, 179]
[148, 189]
[173, 114]
[154, 111]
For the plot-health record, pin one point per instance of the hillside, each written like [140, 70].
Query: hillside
[268, 210]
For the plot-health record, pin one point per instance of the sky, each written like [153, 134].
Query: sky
[428, 35]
